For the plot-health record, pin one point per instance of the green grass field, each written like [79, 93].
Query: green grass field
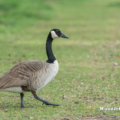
[89, 73]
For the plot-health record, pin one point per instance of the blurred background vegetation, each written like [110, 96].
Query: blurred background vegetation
[89, 61]
[23, 13]
[13, 12]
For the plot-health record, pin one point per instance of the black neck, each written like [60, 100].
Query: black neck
[50, 55]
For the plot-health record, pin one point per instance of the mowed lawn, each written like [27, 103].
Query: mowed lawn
[89, 72]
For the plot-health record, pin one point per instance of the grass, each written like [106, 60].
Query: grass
[89, 61]
[16, 15]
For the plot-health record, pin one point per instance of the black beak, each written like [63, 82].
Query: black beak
[63, 36]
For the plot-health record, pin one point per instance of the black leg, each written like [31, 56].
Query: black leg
[45, 101]
[42, 100]
[22, 103]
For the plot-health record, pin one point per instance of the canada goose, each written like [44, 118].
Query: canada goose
[31, 76]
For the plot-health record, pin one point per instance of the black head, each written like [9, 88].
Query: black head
[56, 33]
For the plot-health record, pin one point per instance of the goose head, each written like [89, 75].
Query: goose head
[56, 33]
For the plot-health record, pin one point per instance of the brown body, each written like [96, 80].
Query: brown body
[32, 75]
[29, 75]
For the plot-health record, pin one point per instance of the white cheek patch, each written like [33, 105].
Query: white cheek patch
[54, 35]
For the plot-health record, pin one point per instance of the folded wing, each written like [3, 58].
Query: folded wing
[20, 74]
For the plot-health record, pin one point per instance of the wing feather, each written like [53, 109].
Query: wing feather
[20, 74]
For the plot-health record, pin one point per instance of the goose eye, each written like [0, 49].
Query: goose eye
[57, 31]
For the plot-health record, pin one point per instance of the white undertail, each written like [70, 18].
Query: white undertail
[13, 89]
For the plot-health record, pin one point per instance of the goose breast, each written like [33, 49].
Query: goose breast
[39, 79]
